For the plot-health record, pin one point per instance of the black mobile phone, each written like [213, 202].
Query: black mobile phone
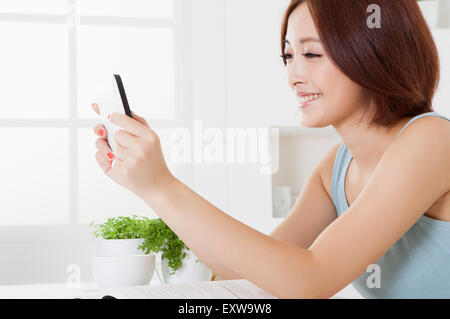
[123, 95]
[116, 102]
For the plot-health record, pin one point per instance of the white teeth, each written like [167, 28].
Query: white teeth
[308, 98]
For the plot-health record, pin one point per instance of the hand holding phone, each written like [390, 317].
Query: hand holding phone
[117, 102]
[134, 168]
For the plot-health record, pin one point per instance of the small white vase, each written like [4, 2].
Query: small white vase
[430, 10]
[121, 263]
[123, 271]
[121, 247]
[189, 272]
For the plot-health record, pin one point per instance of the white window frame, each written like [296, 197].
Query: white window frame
[182, 108]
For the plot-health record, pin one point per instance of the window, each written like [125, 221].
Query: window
[54, 54]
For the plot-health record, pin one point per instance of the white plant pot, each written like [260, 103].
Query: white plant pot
[430, 10]
[121, 247]
[190, 271]
[123, 271]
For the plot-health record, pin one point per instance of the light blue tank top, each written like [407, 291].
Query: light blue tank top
[418, 265]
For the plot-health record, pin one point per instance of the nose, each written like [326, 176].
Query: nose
[295, 74]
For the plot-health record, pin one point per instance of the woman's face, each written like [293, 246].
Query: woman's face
[310, 70]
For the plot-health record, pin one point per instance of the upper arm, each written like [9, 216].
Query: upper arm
[412, 174]
[313, 211]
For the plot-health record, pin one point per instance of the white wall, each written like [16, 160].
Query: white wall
[239, 82]
[441, 100]
[42, 254]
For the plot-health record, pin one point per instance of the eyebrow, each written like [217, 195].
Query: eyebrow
[303, 40]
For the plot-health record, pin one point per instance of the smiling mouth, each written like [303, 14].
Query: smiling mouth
[308, 99]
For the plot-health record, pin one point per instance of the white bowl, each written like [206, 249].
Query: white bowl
[120, 247]
[123, 271]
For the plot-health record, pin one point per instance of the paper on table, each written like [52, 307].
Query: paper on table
[226, 289]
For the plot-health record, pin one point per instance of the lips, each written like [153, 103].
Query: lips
[308, 97]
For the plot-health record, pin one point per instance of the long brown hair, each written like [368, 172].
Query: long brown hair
[397, 65]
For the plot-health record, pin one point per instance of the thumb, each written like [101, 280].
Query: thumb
[140, 119]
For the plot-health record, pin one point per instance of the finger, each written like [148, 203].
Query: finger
[123, 154]
[140, 119]
[125, 139]
[115, 169]
[100, 130]
[102, 162]
[95, 107]
[103, 147]
[129, 124]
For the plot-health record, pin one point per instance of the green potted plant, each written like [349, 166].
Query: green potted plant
[178, 262]
[122, 262]
[120, 235]
[141, 235]
[159, 238]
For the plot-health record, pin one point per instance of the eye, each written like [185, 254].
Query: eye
[311, 55]
[286, 56]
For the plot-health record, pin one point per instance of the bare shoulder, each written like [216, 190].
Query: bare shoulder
[430, 133]
[326, 167]
[432, 124]
[428, 129]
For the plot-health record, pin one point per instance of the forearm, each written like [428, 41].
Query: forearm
[216, 266]
[208, 258]
[270, 264]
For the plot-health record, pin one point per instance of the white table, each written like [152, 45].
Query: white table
[83, 290]
[91, 290]
[87, 290]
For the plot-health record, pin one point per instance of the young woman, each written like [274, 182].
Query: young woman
[380, 198]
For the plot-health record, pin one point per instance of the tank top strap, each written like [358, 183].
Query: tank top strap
[422, 115]
[340, 166]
